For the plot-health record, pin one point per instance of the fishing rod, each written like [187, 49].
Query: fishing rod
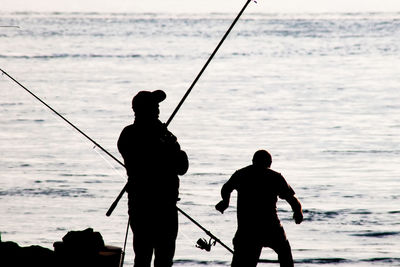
[108, 153]
[203, 244]
[62, 117]
[208, 61]
[115, 203]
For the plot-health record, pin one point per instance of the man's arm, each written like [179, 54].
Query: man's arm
[226, 191]
[182, 162]
[180, 158]
[296, 207]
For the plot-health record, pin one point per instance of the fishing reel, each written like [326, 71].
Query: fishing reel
[203, 244]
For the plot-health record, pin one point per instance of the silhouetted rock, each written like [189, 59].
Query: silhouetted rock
[85, 248]
[12, 255]
[78, 249]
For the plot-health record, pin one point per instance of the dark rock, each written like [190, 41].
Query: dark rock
[12, 255]
[78, 249]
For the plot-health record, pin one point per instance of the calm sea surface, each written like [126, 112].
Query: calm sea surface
[320, 92]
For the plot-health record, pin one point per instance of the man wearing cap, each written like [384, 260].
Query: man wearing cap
[153, 160]
[258, 188]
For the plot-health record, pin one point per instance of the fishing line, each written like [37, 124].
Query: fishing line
[182, 232]
[95, 150]
[62, 117]
[109, 163]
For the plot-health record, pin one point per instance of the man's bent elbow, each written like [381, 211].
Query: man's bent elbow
[183, 163]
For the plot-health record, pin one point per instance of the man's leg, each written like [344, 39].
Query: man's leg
[246, 252]
[165, 238]
[284, 254]
[142, 242]
[282, 247]
[276, 239]
[164, 253]
[143, 250]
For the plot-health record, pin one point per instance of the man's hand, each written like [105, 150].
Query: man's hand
[298, 217]
[222, 206]
[296, 207]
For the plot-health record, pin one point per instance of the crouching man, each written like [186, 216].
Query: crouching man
[258, 190]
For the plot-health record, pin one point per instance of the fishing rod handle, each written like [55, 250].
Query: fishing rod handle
[115, 203]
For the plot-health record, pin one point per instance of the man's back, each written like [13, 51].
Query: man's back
[149, 164]
[258, 189]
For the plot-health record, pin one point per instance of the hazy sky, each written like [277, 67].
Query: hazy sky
[201, 5]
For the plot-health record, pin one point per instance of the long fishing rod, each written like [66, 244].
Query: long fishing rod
[112, 207]
[108, 153]
[207, 232]
[208, 61]
[115, 203]
[62, 117]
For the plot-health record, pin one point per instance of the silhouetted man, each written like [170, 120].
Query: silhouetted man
[258, 224]
[153, 160]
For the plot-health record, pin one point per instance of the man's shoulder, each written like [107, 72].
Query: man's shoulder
[252, 168]
[126, 133]
[252, 171]
[127, 129]
[244, 170]
[274, 173]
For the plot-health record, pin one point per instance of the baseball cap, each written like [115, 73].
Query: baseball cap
[144, 99]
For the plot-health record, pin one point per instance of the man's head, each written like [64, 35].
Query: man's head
[262, 158]
[146, 103]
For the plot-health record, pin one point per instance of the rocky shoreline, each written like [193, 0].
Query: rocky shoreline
[78, 248]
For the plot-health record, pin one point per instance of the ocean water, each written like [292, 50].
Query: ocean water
[320, 92]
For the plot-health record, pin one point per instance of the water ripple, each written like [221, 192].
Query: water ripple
[47, 192]
[376, 234]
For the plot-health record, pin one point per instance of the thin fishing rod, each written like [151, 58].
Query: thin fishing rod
[122, 259]
[112, 207]
[214, 237]
[94, 142]
[205, 230]
[208, 61]
[115, 203]
[110, 210]
[62, 117]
